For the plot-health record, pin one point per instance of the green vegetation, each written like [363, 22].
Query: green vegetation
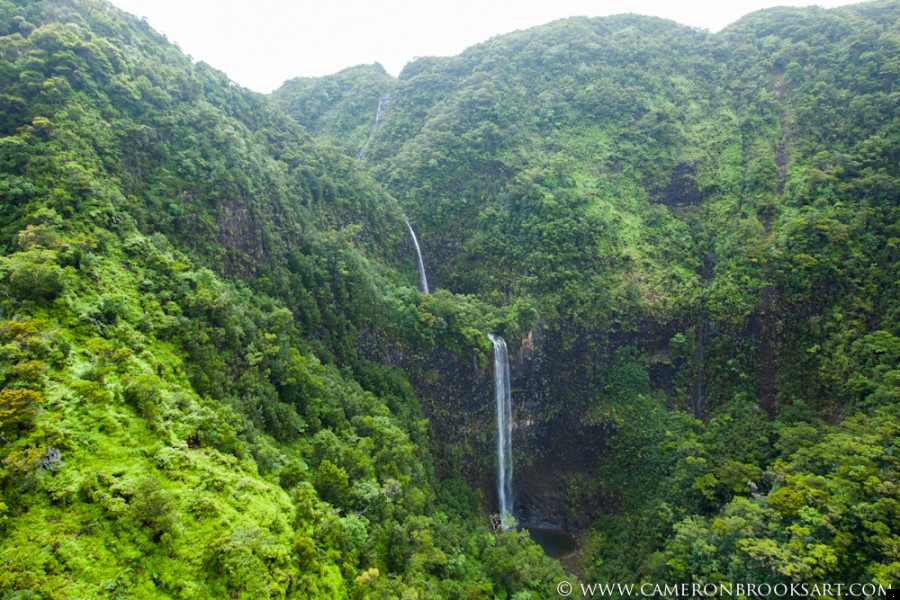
[216, 369]
[338, 109]
[714, 217]
[184, 409]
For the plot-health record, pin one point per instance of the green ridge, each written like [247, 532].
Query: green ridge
[218, 379]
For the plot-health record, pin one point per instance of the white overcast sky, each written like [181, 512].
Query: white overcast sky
[261, 43]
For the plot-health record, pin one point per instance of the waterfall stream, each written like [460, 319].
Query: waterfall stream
[382, 104]
[503, 400]
[423, 279]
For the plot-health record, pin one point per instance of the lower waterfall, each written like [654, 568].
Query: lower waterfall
[503, 400]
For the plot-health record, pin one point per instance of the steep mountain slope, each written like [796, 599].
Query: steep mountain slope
[183, 410]
[337, 110]
[217, 378]
[673, 224]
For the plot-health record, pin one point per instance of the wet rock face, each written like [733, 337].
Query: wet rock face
[554, 452]
[555, 377]
[682, 190]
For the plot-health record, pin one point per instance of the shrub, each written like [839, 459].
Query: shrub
[152, 507]
[32, 275]
[143, 393]
[17, 410]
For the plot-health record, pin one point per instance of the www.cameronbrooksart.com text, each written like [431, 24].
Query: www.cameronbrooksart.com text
[725, 590]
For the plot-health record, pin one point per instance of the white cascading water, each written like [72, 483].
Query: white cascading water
[423, 280]
[503, 400]
[382, 104]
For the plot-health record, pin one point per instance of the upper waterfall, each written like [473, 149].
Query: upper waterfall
[382, 104]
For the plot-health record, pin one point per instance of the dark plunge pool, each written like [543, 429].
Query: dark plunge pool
[555, 542]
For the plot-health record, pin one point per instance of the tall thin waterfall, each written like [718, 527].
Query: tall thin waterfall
[503, 400]
[382, 104]
[423, 280]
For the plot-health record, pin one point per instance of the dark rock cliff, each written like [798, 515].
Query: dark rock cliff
[557, 380]
[555, 449]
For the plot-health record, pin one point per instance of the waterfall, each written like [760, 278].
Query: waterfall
[382, 104]
[423, 280]
[503, 400]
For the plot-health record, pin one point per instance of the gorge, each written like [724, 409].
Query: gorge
[668, 302]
